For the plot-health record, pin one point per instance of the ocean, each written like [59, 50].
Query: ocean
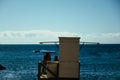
[97, 62]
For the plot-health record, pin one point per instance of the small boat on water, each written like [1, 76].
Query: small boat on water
[43, 51]
[36, 51]
[46, 51]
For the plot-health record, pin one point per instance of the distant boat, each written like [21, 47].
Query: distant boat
[36, 51]
[46, 51]
[43, 51]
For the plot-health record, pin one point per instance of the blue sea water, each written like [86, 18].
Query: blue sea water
[97, 62]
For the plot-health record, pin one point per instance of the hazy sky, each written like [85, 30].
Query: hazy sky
[31, 21]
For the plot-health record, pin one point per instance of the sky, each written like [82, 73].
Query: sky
[33, 21]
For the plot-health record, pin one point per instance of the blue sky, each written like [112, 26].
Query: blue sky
[31, 21]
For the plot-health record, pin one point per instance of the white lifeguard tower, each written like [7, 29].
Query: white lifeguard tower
[68, 66]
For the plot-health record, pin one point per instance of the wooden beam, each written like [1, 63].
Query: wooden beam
[58, 42]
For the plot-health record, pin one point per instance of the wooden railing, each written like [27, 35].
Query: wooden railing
[41, 66]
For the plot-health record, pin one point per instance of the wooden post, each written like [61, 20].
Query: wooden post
[39, 70]
[69, 57]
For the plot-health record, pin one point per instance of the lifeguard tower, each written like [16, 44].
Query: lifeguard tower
[68, 66]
